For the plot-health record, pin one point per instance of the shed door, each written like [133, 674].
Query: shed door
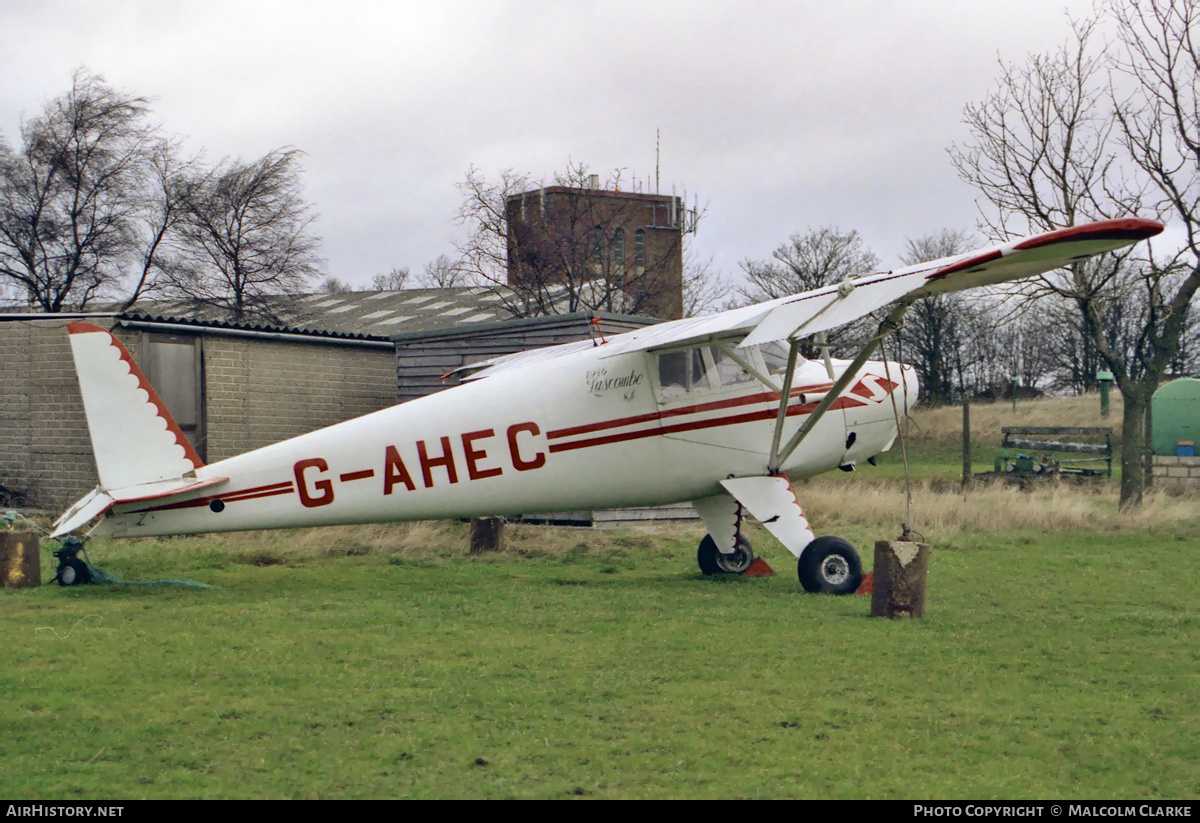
[174, 366]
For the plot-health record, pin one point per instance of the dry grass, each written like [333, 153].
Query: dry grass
[417, 542]
[940, 509]
[944, 424]
[941, 512]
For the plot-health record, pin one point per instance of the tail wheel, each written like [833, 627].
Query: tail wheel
[73, 572]
[712, 561]
[830, 565]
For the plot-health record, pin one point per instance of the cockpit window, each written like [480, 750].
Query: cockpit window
[681, 371]
[775, 356]
[729, 372]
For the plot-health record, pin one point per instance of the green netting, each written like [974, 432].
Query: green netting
[99, 575]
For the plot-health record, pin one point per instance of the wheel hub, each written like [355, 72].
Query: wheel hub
[736, 562]
[835, 569]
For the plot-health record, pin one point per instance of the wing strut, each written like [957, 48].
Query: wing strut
[785, 396]
[779, 456]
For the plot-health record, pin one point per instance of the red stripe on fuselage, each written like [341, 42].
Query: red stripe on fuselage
[714, 405]
[749, 417]
[253, 493]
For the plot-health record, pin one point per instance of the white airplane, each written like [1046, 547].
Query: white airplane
[717, 410]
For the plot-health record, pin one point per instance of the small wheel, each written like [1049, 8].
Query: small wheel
[712, 562]
[73, 572]
[830, 565]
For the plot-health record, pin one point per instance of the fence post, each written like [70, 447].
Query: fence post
[487, 534]
[966, 441]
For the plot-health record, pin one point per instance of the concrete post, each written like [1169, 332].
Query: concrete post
[899, 579]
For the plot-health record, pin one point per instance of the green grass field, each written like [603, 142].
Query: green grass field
[1058, 657]
[388, 664]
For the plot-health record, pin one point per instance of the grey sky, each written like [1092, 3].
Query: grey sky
[780, 115]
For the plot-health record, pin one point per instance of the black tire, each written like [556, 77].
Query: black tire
[73, 572]
[711, 561]
[830, 565]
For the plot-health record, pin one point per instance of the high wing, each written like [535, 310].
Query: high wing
[826, 308]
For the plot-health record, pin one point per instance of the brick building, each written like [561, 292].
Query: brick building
[229, 393]
[615, 251]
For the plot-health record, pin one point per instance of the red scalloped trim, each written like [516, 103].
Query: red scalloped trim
[79, 327]
[792, 489]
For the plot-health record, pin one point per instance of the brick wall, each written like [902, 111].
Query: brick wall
[260, 392]
[257, 392]
[45, 450]
[1177, 472]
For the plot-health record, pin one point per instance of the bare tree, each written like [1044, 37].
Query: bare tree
[704, 290]
[169, 182]
[248, 236]
[935, 335]
[816, 258]
[334, 285]
[444, 273]
[71, 196]
[808, 261]
[1082, 134]
[394, 280]
[483, 212]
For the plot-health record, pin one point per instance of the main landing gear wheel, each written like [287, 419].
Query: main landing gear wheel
[713, 562]
[830, 565]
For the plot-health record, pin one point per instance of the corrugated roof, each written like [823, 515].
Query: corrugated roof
[362, 314]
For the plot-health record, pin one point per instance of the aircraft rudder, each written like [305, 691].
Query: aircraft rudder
[135, 439]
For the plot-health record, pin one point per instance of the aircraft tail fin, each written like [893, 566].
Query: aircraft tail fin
[134, 438]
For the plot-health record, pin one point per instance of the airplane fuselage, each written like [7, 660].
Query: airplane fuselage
[582, 431]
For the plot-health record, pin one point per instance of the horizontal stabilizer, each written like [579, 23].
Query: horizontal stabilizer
[101, 500]
[167, 488]
[93, 505]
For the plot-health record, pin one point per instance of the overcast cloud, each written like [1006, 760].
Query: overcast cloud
[779, 115]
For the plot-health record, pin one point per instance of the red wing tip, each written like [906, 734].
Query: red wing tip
[1125, 228]
[80, 327]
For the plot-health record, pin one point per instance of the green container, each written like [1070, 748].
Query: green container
[1175, 410]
